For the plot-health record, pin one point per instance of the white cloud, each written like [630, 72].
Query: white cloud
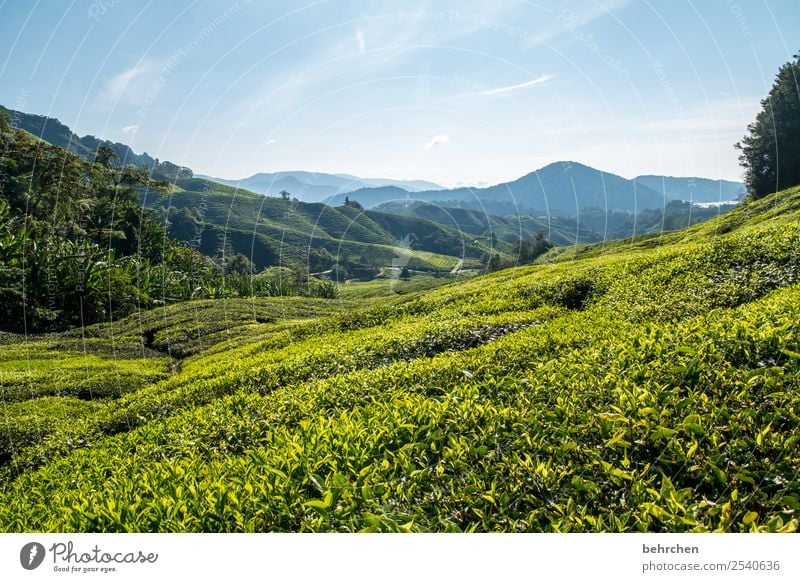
[437, 140]
[510, 88]
[362, 45]
[271, 141]
[130, 130]
[131, 85]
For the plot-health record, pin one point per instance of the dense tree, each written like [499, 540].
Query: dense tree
[106, 156]
[352, 203]
[528, 250]
[771, 148]
[237, 263]
[76, 245]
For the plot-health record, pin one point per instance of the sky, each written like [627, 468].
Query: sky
[456, 92]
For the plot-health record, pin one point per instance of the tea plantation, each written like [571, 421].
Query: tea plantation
[649, 384]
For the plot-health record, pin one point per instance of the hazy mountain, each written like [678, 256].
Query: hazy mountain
[559, 188]
[317, 186]
[215, 217]
[693, 189]
[409, 185]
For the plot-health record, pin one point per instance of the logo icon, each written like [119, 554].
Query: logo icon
[31, 555]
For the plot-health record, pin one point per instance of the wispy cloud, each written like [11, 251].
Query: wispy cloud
[509, 88]
[130, 86]
[382, 41]
[362, 45]
[437, 140]
[573, 15]
[130, 130]
[479, 90]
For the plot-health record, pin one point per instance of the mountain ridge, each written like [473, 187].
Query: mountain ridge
[559, 188]
[316, 186]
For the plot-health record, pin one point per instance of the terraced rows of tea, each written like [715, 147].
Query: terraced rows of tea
[639, 385]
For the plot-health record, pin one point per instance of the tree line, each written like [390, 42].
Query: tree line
[77, 247]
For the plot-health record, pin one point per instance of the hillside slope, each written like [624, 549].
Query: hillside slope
[272, 231]
[56, 133]
[640, 385]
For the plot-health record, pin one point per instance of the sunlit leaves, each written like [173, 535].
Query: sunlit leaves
[647, 390]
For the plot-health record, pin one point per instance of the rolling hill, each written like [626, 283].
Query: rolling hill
[693, 189]
[56, 133]
[561, 230]
[317, 186]
[590, 225]
[272, 231]
[639, 385]
[221, 220]
[569, 201]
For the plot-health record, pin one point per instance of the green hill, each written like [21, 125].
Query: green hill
[220, 220]
[315, 236]
[591, 225]
[648, 384]
[56, 133]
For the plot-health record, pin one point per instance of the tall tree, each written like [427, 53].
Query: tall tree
[771, 148]
[106, 155]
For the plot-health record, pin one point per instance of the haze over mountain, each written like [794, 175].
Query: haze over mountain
[694, 189]
[560, 188]
[317, 186]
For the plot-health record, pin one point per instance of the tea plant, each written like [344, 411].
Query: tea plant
[640, 385]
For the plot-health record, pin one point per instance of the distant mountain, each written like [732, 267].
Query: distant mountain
[374, 197]
[561, 188]
[409, 185]
[54, 132]
[217, 219]
[317, 186]
[693, 189]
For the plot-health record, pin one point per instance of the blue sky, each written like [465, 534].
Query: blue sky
[455, 92]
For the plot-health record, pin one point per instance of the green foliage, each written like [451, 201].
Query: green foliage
[527, 251]
[642, 385]
[77, 247]
[771, 148]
